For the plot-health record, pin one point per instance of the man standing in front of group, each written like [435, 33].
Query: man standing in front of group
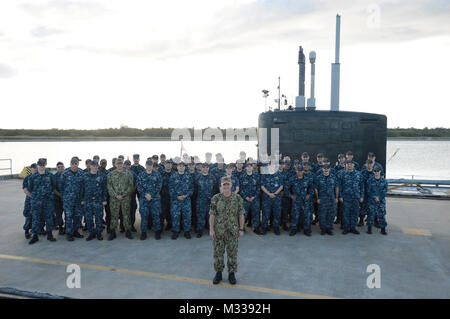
[94, 184]
[351, 190]
[149, 185]
[120, 185]
[226, 227]
[72, 196]
[41, 186]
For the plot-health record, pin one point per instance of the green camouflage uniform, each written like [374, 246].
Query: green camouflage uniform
[120, 183]
[226, 212]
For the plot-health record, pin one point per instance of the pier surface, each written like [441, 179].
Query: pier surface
[414, 260]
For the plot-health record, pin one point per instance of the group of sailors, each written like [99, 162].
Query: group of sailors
[175, 194]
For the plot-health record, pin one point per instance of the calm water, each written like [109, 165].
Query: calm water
[421, 159]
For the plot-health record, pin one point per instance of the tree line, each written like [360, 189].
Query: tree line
[165, 133]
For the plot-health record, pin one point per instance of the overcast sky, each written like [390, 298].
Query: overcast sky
[178, 63]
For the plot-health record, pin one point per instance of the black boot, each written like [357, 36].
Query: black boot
[69, 237]
[50, 236]
[329, 232]
[293, 232]
[257, 231]
[354, 231]
[34, 239]
[375, 223]
[199, 234]
[345, 232]
[383, 231]
[99, 236]
[307, 232]
[187, 235]
[361, 222]
[77, 235]
[143, 236]
[122, 229]
[323, 231]
[174, 235]
[263, 231]
[369, 229]
[128, 234]
[27, 234]
[158, 235]
[90, 237]
[276, 230]
[112, 234]
[133, 229]
[217, 278]
[232, 278]
[169, 226]
[61, 230]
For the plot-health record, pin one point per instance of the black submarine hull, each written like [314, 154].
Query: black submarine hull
[328, 132]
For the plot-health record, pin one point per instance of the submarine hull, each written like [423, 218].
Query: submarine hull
[328, 132]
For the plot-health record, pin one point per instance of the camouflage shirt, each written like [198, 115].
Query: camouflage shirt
[120, 183]
[226, 212]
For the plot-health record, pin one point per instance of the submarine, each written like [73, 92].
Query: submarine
[304, 129]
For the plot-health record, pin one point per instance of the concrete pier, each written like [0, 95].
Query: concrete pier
[414, 259]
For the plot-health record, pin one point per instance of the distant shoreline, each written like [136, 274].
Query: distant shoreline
[158, 139]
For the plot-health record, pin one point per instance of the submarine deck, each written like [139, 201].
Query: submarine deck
[414, 260]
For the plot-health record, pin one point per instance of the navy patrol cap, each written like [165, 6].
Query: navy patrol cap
[340, 155]
[305, 154]
[149, 162]
[371, 154]
[326, 166]
[296, 161]
[42, 162]
[376, 169]
[94, 163]
[74, 160]
[127, 162]
[135, 155]
[300, 168]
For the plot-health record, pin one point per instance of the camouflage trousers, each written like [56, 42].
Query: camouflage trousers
[116, 206]
[202, 205]
[58, 212]
[327, 212]
[377, 210]
[150, 208]
[227, 241]
[27, 213]
[255, 208]
[94, 211]
[350, 213]
[286, 207]
[271, 205]
[298, 213]
[178, 208]
[41, 210]
[73, 215]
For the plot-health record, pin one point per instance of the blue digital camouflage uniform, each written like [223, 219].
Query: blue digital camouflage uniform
[218, 174]
[286, 201]
[250, 186]
[181, 185]
[41, 188]
[27, 206]
[351, 189]
[377, 188]
[365, 204]
[133, 203]
[205, 186]
[309, 205]
[165, 196]
[94, 194]
[150, 184]
[72, 191]
[57, 201]
[325, 186]
[271, 182]
[301, 211]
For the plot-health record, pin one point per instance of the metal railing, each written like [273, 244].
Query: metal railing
[10, 165]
